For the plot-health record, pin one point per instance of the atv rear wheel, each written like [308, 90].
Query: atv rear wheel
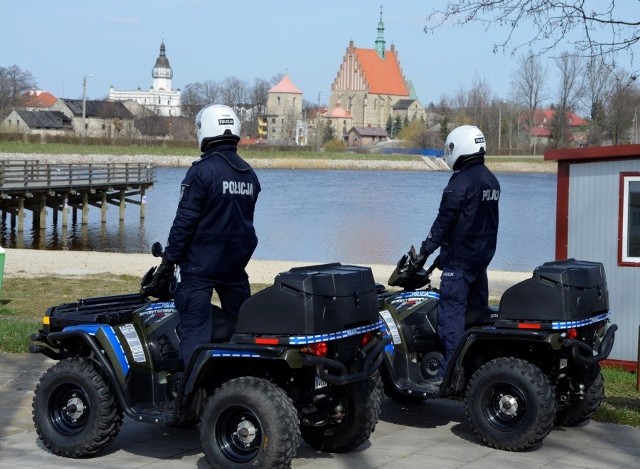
[581, 410]
[359, 403]
[74, 409]
[510, 404]
[249, 421]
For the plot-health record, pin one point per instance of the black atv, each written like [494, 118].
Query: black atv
[300, 360]
[521, 367]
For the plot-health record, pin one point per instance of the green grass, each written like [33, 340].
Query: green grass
[262, 153]
[23, 302]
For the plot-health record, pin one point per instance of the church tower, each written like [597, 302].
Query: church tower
[380, 42]
[162, 72]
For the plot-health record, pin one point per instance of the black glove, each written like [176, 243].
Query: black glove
[420, 260]
[158, 285]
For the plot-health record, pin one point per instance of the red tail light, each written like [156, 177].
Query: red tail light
[366, 338]
[572, 333]
[319, 349]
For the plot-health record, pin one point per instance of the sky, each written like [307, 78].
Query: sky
[117, 41]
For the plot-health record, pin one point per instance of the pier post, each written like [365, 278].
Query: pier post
[143, 203]
[85, 208]
[21, 215]
[122, 205]
[42, 219]
[103, 208]
[65, 215]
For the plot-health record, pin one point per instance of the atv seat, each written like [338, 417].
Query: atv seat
[476, 317]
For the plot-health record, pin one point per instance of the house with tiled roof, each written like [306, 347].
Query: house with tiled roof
[36, 100]
[540, 131]
[370, 84]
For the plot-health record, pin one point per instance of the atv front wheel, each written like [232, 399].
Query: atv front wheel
[74, 409]
[345, 417]
[581, 410]
[249, 421]
[510, 404]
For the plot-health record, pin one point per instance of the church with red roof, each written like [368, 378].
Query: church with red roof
[370, 86]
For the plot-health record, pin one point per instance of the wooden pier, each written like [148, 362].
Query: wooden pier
[32, 185]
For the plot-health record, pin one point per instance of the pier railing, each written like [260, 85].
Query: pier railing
[32, 174]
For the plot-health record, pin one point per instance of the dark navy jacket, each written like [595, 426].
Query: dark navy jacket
[466, 227]
[213, 233]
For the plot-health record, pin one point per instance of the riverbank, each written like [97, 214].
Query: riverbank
[32, 263]
[510, 164]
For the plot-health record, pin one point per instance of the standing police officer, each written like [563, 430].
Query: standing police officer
[465, 230]
[212, 237]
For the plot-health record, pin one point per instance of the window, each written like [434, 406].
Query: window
[629, 221]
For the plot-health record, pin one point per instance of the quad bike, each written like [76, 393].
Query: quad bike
[521, 367]
[301, 359]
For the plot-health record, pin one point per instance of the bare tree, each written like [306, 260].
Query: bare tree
[192, 99]
[233, 91]
[596, 29]
[212, 93]
[479, 104]
[598, 87]
[570, 93]
[624, 100]
[259, 94]
[13, 84]
[528, 84]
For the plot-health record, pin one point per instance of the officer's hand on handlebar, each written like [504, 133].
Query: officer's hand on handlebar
[420, 260]
[161, 278]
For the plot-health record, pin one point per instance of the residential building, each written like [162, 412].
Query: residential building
[45, 123]
[37, 100]
[362, 136]
[540, 132]
[106, 119]
[160, 98]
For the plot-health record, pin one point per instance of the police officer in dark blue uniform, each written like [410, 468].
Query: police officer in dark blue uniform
[212, 237]
[465, 230]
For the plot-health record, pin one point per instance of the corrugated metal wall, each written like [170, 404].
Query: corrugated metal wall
[593, 236]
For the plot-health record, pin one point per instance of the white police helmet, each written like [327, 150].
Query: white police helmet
[216, 122]
[463, 142]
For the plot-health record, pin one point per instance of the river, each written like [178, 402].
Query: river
[363, 217]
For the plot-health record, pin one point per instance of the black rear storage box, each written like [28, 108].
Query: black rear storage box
[566, 290]
[316, 299]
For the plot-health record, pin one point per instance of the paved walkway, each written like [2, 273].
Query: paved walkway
[434, 435]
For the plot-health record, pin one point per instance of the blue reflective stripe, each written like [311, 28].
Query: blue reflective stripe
[417, 294]
[110, 335]
[580, 323]
[229, 353]
[312, 339]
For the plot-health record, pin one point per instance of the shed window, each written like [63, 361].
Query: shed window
[629, 225]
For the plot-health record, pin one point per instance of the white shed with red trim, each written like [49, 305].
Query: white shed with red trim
[598, 219]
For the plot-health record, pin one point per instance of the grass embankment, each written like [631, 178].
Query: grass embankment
[261, 153]
[23, 302]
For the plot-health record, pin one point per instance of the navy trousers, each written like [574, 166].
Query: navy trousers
[193, 301]
[459, 289]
